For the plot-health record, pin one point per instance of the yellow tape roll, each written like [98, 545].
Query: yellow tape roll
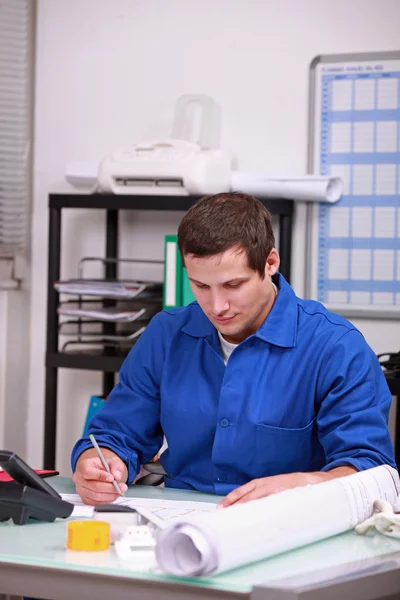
[88, 535]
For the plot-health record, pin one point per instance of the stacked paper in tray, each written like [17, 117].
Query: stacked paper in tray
[112, 314]
[102, 288]
[246, 533]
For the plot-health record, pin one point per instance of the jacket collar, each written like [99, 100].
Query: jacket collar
[279, 328]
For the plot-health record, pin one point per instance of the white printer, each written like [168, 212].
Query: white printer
[189, 162]
[169, 167]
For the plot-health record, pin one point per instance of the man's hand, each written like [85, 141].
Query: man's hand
[265, 486]
[93, 483]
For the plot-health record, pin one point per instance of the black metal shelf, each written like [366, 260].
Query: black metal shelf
[111, 363]
[131, 202]
[89, 362]
[394, 384]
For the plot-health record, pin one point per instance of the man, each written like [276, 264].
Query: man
[255, 390]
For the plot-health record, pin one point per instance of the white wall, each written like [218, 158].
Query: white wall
[14, 368]
[109, 72]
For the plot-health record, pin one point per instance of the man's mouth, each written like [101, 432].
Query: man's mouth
[224, 319]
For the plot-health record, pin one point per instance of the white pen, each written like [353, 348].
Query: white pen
[105, 463]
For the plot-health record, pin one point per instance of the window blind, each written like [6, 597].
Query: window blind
[16, 49]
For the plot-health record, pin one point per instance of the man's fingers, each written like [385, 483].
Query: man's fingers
[118, 469]
[255, 495]
[117, 473]
[92, 468]
[99, 487]
[95, 492]
[237, 494]
[91, 473]
[92, 498]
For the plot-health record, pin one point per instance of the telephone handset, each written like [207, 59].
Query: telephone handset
[28, 496]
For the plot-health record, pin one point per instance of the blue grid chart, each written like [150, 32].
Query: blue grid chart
[358, 237]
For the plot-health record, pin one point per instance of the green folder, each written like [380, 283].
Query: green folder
[172, 294]
[187, 294]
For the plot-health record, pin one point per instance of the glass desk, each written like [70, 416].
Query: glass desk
[34, 562]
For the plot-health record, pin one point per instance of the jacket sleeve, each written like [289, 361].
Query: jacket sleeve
[129, 422]
[354, 406]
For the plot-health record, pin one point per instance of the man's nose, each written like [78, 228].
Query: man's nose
[219, 304]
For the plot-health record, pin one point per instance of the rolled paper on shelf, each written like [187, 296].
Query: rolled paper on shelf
[309, 188]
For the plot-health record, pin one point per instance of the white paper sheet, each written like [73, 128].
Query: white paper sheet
[159, 512]
[309, 188]
[245, 533]
[102, 314]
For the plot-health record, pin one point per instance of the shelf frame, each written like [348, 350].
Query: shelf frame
[110, 363]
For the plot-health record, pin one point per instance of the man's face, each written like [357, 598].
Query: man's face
[233, 296]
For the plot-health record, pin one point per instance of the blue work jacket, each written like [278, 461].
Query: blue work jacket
[304, 393]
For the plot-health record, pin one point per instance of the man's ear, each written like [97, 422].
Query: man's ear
[273, 262]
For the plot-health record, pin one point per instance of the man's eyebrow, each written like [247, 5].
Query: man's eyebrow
[234, 279]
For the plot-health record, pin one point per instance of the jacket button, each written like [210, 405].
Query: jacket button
[225, 423]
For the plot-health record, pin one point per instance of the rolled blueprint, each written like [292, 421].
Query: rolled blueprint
[215, 542]
[309, 188]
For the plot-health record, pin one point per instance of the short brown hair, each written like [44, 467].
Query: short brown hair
[216, 223]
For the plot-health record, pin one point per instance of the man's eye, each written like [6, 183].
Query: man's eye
[201, 286]
[234, 285]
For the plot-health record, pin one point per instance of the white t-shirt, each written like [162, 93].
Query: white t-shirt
[226, 347]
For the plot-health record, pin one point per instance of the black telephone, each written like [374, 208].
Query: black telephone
[28, 496]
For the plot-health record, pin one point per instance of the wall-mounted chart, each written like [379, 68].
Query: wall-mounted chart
[354, 258]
